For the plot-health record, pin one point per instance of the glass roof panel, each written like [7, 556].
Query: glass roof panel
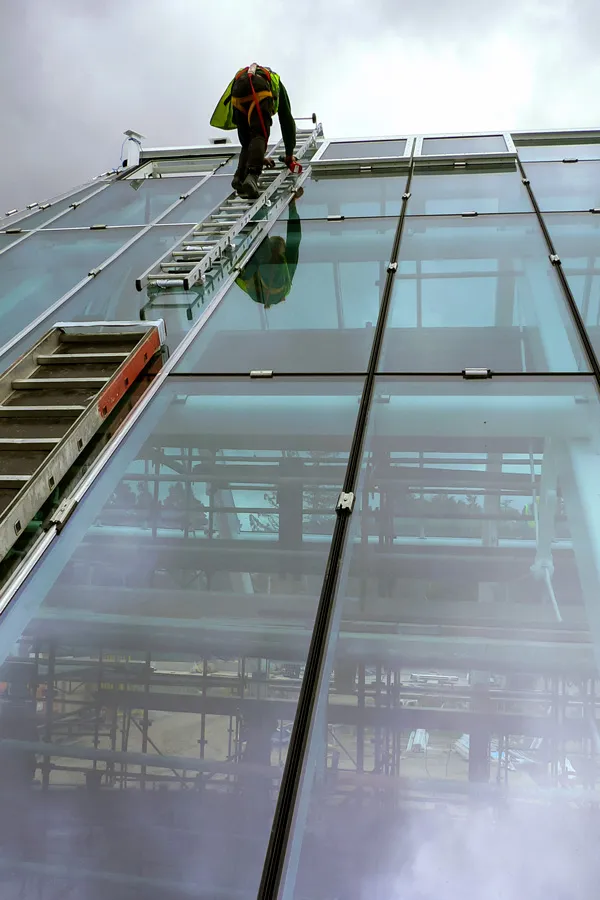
[458, 715]
[364, 149]
[473, 292]
[311, 310]
[164, 637]
[38, 271]
[127, 202]
[460, 191]
[112, 295]
[491, 143]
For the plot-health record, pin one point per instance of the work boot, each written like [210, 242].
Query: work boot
[236, 182]
[249, 187]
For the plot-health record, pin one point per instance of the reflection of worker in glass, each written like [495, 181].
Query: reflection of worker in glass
[268, 276]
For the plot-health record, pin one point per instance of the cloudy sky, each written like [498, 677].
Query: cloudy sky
[76, 73]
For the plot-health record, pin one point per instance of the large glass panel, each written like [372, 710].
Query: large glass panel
[112, 296]
[128, 202]
[565, 186]
[152, 665]
[478, 292]
[493, 143]
[483, 191]
[576, 237]
[454, 750]
[352, 196]
[541, 152]
[39, 270]
[364, 149]
[36, 219]
[307, 301]
[201, 202]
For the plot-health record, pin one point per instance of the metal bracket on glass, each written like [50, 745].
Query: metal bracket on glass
[261, 373]
[555, 259]
[460, 164]
[365, 168]
[62, 514]
[345, 502]
[392, 267]
[13, 231]
[335, 218]
[571, 159]
[595, 210]
[97, 227]
[526, 181]
[11, 212]
[93, 272]
[469, 214]
[477, 373]
[406, 195]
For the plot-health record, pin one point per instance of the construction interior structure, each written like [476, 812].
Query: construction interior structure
[312, 611]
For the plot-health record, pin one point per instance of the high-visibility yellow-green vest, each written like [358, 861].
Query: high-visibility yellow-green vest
[223, 114]
[270, 290]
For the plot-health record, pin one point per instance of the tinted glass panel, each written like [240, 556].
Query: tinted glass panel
[112, 295]
[576, 237]
[559, 151]
[485, 144]
[166, 639]
[438, 193]
[458, 714]
[478, 292]
[43, 215]
[352, 196]
[331, 282]
[201, 202]
[364, 149]
[565, 186]
[127, 202]
[36, 272]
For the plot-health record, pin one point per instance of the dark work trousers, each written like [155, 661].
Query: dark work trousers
[250, 133]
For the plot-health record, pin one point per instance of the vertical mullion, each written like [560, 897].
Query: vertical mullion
[314, 673]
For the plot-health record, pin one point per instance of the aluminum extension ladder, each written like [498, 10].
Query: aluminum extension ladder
[54, 399]
[197, 256]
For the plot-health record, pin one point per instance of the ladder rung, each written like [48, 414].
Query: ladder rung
[34, 384]
[13, 481]
[72, 358]
[165, 281]
[59, 412]
[29, 443]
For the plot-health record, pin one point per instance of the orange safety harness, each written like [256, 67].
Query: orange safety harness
[255, 98]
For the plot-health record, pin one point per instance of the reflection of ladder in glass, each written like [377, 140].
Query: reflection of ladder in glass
[198, 255]
[52, 402]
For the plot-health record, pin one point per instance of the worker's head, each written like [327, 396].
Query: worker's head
[277, 248]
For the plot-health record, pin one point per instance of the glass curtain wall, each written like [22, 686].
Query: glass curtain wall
[219, 683]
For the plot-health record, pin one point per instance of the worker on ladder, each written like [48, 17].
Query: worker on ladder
[251, 100]
[268, 276]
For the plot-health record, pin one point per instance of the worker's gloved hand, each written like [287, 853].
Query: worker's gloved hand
[269, 163]
[292, 163]
[297, 194]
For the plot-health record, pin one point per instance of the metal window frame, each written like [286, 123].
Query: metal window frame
[362, 164]
[434, 159]
[533, 139]
[148, 154]
[14, 219]
[48, 313]
[183, 167]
